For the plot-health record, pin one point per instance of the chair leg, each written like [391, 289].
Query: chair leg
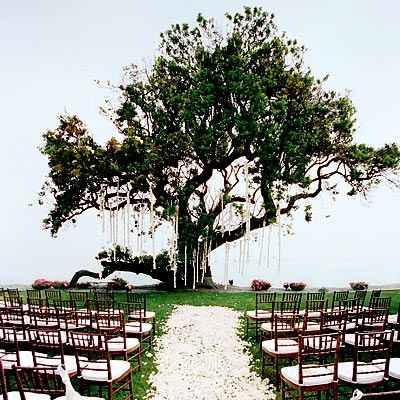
[262, 364]
[247, 327]
[277, 372]
[283, 393]
[110, 391]
[131, 388]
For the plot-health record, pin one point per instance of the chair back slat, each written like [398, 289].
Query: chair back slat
[315, 306]
[292, 296]
[43, 380]
[380, 302]
[339, 296]
[318, 346]
[313, 296]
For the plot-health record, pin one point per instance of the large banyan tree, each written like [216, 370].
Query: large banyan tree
[221, 136]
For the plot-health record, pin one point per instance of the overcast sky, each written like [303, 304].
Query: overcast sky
[50, 54]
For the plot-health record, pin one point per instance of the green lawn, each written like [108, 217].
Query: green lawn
[163, 302]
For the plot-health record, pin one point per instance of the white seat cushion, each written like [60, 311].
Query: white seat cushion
[394, 368]
[26, 359]
[291, 374]
[260, 314]
[70, 362]
[349, 326]
[345, 373]
[392, 319]
[134, 328]
[118, 368]
[149, 315]
[285, 346]
[28, 396]
[117, 344]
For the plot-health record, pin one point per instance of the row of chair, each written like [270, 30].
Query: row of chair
[86, 341]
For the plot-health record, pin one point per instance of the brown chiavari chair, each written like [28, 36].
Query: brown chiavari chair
[278, 308]
[15, 317]
[35, 304]
[112, 325]
[44, 318]
[313, 308]
[335, 321]
[367, 368]
[283, 344]
[375, 293]
[263, 312]
[375, 319]
[45, 382]
[33, 294]
[148, 316]
[51, 295]
[339, 296]
[361, 295]
[100, 306]
[138, 328]
[292, 296]
[79, 297]
[101, 370]
[314, 296]
[310, 376]
[354, 310]
[80, 320]
[10, 353]
[380, 302]
[103, 295]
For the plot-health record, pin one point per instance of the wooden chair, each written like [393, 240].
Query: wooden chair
[278, 308]
[48, 350]
[283, 344]
[292, 296]
[15, 317]
[148, 316]
[10, 353]
[138, 328]
[80, 298]
[314, 307]
[33, 294]
[100, 370]
[375, 319]
[308, 376]
[52, 294]
[367, 368]
[361, 296]
[44, 382]
[337, 297]
[335, 321]
[374, 294]
[263, 312]
[113, 326]
[100, 305]
[314, 296]
[103, 295]
[380, 302]
[44, 318]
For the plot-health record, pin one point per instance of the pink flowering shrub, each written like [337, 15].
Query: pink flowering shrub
[258, 285]
[359, 285]
[42, 283]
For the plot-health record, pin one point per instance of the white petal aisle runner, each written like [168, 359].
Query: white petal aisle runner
[201, 357]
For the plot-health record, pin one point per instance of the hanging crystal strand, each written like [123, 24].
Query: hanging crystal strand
[137, 224]
[247, 236]
[153, 243]
[185, 276]
[260, 255]
[176, 234]
[226, 249]
[269, 246]
[197, 259]
[117, 215]
[194, 256]
[279, 240]
[204, 260]
[128, 217]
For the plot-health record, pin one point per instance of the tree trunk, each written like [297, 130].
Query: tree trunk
[80, 274]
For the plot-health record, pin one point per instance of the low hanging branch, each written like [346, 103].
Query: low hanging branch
[214, 114]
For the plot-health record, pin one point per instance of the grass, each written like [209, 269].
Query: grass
[163, 303]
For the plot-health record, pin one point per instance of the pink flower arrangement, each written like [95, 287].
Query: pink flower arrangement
[42, 283]
[258, 285]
